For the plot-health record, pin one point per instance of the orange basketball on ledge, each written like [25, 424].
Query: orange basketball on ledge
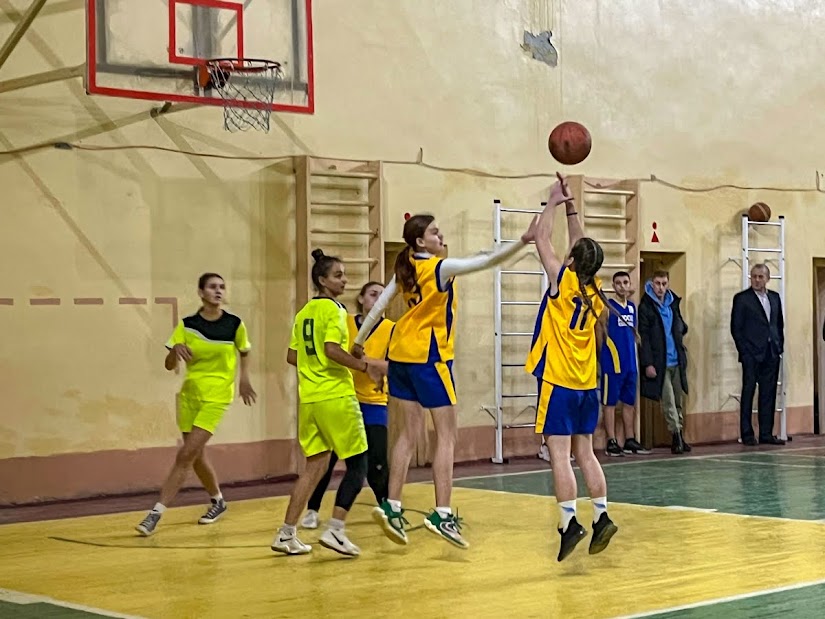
[569, 143]
[759, 212]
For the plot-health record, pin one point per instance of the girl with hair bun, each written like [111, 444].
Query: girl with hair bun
[329, 418]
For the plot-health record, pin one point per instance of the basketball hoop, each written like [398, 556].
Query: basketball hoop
[247, 87]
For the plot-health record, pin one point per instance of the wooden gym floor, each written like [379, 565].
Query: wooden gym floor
[728, 534]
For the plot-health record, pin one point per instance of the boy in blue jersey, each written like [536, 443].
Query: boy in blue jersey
[619, 371]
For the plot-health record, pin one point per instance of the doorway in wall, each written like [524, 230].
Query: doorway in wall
[653, 430]
[818, 332]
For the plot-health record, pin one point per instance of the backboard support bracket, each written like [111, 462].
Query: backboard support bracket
[19, 30]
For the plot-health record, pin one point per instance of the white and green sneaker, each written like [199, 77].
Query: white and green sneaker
[392, 522]
[448, 528]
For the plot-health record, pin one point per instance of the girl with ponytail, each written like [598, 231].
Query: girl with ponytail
[569, 331]
[420, 358]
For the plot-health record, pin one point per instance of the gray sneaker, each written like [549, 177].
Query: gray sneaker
[147, 526]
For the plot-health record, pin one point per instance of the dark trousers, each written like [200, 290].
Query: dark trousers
[378, 472]
[764, 373]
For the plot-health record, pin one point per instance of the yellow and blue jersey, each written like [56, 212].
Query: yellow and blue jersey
[320, 378]
[210, 374]
[426, 331]
[375, 347]
[563, 350]
[618, 354]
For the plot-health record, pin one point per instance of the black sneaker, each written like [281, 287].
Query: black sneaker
[570, 537]
[214, 512]
[147, 526]
[635, 448]
[613, 448]
[603, 530]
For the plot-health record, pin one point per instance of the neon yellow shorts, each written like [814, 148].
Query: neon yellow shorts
[332, 425]
[204, 415]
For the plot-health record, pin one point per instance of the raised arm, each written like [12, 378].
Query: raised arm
[450, 267]
[375, 313]
[574, 226]
[544, 230]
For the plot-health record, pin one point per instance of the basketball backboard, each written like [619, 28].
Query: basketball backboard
[152, 49]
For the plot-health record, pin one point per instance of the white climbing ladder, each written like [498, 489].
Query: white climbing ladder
[515, 361]
[778, 251]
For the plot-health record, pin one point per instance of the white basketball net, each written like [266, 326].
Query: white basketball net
[247, 87]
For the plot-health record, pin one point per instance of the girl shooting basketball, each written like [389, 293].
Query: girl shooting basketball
[207, 343]
[420, 365]
[571, 319]
[373, 402]
[329, 419]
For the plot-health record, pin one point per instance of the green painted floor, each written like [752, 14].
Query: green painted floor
[41, 610]
[788, 484]
[759, 484]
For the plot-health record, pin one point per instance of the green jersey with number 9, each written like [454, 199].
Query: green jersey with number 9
[320, 321]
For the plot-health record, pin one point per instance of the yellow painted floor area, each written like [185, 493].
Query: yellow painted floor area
[660, 558]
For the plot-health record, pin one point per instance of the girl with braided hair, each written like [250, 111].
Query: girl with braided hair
[569, 329]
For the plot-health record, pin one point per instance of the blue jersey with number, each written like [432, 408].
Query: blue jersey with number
[618, 354]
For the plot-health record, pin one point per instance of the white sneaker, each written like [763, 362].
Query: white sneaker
[311, 520]
[339, 542]
[289, 545]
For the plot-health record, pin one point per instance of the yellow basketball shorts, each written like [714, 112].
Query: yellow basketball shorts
[332, 425]
[198, 414]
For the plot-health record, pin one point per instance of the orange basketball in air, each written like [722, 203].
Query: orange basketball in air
[759, 212]
[570, 143]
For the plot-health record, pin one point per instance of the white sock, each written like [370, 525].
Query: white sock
[396, 505]
[444, 512]
[335, 524]
[159, 508]
[311, 511]
[567, 511]
[288, 530]
[599, 507]
[218, 498]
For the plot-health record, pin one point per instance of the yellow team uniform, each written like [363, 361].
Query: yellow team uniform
[421, 347]
[209, 386]
[328, 416]
[375, 347]
[563, 358]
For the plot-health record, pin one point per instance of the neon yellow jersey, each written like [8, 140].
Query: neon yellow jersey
[375, 347]
[320, 321]
[210, 375]
[564, 340]
[426, 331]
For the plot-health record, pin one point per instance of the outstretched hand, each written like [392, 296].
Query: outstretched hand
[560, 192]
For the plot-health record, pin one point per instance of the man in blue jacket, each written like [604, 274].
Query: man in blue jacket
[662, 355]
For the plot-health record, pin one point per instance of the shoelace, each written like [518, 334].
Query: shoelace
[400, 517]
[213, 511]
[456, 521]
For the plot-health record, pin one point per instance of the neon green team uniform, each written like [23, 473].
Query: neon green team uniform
[209, 386]
[329, 418]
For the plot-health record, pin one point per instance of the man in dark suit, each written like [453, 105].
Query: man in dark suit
[758, 329]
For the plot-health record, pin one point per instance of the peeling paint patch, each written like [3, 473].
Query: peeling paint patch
[541, 47]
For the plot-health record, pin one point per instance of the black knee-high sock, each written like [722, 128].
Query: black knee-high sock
[378, 470]
[318, 495]
[353, 481]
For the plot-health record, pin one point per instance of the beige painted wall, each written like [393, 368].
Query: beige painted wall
[698, 93]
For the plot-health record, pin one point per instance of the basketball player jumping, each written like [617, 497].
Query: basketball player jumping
[571, 319]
